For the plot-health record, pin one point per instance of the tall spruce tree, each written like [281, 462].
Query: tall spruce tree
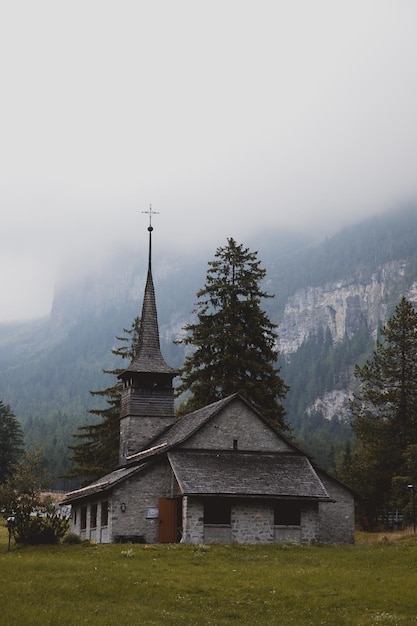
[234, 341]
[385, 416]
[11, 441]
[97, 452]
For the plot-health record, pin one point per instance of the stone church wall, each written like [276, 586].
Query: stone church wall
[336, 519]
[140, 495]
[136, 432]
[193, 521]
[309, 524]
[237, 425]
[251, 523]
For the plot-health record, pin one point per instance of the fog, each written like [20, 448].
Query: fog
[228, 118]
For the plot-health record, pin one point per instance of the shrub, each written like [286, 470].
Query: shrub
[40, 528]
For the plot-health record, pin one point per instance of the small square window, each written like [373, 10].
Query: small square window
[287, 513]
[217, 511]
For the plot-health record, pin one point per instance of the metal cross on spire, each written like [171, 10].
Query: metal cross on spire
[150, 213]
[150, 229]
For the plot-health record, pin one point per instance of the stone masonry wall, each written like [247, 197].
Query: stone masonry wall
[309, 524]
[252, 522]
[138, 494]
[336, 520]
[193, 521]
[237, 422]
[136, 432]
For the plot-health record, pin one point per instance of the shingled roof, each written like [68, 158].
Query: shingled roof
[180, 430]
[249, 474]
[149, 359]
[187, 425]
[102, 484]
[213, 472]
[184, 427]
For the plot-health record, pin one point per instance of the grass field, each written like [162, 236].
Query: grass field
[372, 582]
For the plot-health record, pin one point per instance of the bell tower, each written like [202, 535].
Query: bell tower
[147, 401]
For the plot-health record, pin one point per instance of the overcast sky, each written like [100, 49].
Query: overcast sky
[228, 116]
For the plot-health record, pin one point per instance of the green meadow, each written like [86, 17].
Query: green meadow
[371, 582]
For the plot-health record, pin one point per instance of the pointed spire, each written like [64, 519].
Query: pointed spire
[149, 358]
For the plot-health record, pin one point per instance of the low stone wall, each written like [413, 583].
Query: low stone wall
[221, 533]
[287, 534]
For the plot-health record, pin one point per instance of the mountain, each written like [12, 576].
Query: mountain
[331, 297]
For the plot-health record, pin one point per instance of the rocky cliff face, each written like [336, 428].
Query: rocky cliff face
[343, 307]
[363, 301]
[332, 404]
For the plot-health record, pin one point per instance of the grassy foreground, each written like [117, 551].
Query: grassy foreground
[372, 582]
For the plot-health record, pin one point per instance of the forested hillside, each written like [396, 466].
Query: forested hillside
[329, 298]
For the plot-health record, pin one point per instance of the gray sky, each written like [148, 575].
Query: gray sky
[227, 116]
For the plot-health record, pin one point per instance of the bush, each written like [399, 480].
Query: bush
[35, 517]
[43, 528]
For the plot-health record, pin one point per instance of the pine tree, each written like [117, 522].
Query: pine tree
[11, 441]
[234, 341]
[98, 451]
[385, 413]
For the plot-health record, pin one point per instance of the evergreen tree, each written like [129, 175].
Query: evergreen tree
[385, 414]
[97, 452]
[35, 516]
[234, 341]
[11, 441]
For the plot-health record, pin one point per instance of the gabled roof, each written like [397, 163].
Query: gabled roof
[102, 484]
[248, 474]
[180, 430]
[183, 428]
[219, 472]
[189, 424]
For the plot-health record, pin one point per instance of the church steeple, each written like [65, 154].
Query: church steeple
[147, 403]
[149, 358]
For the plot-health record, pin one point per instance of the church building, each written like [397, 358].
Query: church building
[220, 474]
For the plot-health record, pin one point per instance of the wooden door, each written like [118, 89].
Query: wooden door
[168, 527]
